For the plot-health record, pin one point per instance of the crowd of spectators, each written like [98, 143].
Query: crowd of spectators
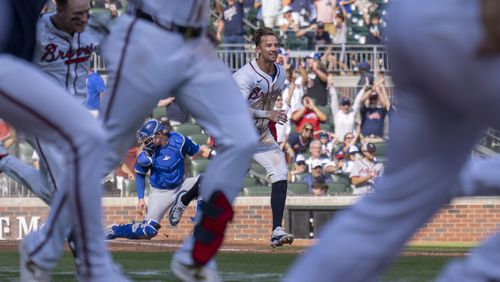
[332, 137]
[317, 21]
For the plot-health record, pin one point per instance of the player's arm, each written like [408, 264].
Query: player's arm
[194, 150]
[356, 179]
[319, 72]
[334, 100]
[141, 168]
[384, 98]
[357, 101]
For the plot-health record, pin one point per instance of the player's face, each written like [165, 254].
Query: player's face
[76, 15]
[268, 48]
[160, 139]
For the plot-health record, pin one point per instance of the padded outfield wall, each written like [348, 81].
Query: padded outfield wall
[465, 220]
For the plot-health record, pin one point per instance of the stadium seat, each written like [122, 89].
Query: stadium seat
[326, 126]
[257, 168]
[297, 189]
[198, 166]
[159, 112]
[249, 181]
[188, 129]
[326, 110]
[200, 139]
[299, 177]
[129, 188]
[336, 188]
[381, 149]
[257, 190]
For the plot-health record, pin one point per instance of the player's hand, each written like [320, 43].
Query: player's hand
[141, 207]
[130, 176]
[277, 116]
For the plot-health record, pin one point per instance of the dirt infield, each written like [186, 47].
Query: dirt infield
[299, 246]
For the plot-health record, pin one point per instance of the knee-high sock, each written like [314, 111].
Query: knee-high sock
[191, 194]
[278, 199]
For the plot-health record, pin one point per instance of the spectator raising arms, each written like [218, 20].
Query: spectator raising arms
[344, 115]
[375, 108]
[317, 77]
[308, 113]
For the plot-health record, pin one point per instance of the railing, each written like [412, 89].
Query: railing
[375, 55]
[236, 55]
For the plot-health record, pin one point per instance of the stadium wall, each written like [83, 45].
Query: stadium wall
[465, 220]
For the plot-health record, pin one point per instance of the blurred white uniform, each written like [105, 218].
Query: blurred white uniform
[448, 94]
[156, 51]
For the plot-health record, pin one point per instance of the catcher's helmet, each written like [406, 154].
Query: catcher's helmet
[148, 131]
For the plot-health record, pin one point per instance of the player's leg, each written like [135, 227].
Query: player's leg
[415, 184]
[215, 101]
[28, 175]
[188, 192]
[480, 265]
[145, 63]
[159, 200]
[272, 158]
[40, 108]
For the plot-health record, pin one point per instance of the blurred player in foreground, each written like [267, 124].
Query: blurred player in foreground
[160, 49]
[446, 61]
[42, 109]
[261, 82]
[163, 155]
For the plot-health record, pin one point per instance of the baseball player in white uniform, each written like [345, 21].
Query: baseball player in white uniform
[40, 108]
[446, 59]
[261, 81]
[160, 49]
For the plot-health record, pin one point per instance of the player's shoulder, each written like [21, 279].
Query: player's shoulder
[144, 159]
[246, 72]
[177, 137]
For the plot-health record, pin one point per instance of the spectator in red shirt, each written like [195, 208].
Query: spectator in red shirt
[308, 113]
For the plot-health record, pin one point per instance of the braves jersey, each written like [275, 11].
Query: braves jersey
[63, 57]
[191, 13]
[167, 162]
[260, 90]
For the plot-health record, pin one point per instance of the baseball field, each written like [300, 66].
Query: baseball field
[149, 261]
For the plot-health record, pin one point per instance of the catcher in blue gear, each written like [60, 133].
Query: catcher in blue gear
[162, 156]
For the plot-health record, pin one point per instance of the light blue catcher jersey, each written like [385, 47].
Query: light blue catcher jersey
[167, 163]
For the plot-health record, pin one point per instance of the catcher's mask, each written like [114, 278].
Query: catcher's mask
[145, 135]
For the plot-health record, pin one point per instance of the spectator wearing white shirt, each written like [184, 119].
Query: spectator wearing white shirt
[294, 90]
[344, 115]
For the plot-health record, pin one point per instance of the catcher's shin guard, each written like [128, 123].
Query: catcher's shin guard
[209, 232]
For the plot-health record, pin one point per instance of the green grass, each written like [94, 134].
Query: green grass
[269, 267]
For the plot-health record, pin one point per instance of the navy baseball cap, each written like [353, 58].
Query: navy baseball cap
[370, 147]
[345, 101]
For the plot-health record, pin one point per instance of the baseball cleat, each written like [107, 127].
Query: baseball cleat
[190, 273]
[109, 232]
[175, 214]
[281, 237]
[28, 270]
